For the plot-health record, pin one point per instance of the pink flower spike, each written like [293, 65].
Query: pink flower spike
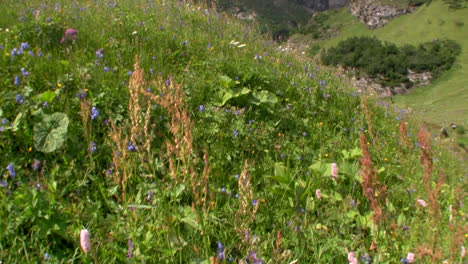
[318, 193]
[410, 257]
[334, 171]
[463, 252]
[70, 34]
[352, 258]
[85, 243]
[422, 202]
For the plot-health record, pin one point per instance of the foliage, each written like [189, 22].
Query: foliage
[387, 63]
[191, 139]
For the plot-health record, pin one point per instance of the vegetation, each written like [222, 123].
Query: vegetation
[166, 132]
[387, 63]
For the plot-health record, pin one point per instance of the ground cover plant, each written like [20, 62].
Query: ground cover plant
[166, 132]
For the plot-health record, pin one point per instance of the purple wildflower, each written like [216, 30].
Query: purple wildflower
[106, 69]
[94, 113]
[235, 133]
[131, 147]
[221, 251]
[16, 81]
[130, 249]
[36, 164]
[100, 53]
[201, 108]
[92, 147]
[24, 72]
[11, 170]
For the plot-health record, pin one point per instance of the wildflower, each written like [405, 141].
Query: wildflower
[94, 112]
[422, 202]
[92, 147]
[106, 69]
[168, 82]
[45, 104]
[70, 34]
[334, 171]
[151, 71]
[24, 46]
[221, 251]
[258, 57]
[318, 193]
[100, 53]
[410, 257]
[4, 121]
[36, 164]
[201, 108]
[11, 170]
[352, 258]
[304, 134]
[82, 94]
[130, 249]
[24, 72]
[46, 256]
[148, 197]
[254, 202]
[463, 252]
[130, 73]
[223, 190]
[3, 184]
[131, 147]
[85, 243]
[235, 133]
[366, 259]
[16, 82]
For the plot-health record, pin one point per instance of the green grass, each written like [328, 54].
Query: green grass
[157, 172]
[444, 101]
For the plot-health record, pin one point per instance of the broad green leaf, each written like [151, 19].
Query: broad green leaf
[46, 96]
[51, 132]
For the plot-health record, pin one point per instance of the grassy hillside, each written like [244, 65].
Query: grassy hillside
[164, 132]
[444, 101]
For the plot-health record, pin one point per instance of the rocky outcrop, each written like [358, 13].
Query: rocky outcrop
[376, 16]
[372, 86]
[420, 78]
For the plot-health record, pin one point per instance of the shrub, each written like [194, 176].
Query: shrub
[388, 63]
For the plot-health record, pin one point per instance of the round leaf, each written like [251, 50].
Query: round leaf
[51, 132]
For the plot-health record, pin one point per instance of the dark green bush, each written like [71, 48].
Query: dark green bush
[387, 63]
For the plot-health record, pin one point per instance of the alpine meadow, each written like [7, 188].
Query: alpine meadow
[164, 131]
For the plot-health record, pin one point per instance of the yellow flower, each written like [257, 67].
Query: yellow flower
[321, 123]
[29, 149]
[385, 159]
[326, 155]
[59, 85]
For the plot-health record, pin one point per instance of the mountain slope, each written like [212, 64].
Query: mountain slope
[445, 100]
[166, 132]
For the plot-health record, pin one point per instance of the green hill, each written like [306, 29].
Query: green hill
[166, 132]
[445, 100]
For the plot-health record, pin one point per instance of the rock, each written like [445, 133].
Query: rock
[376, 16]
[419, 79]
[443, 133]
